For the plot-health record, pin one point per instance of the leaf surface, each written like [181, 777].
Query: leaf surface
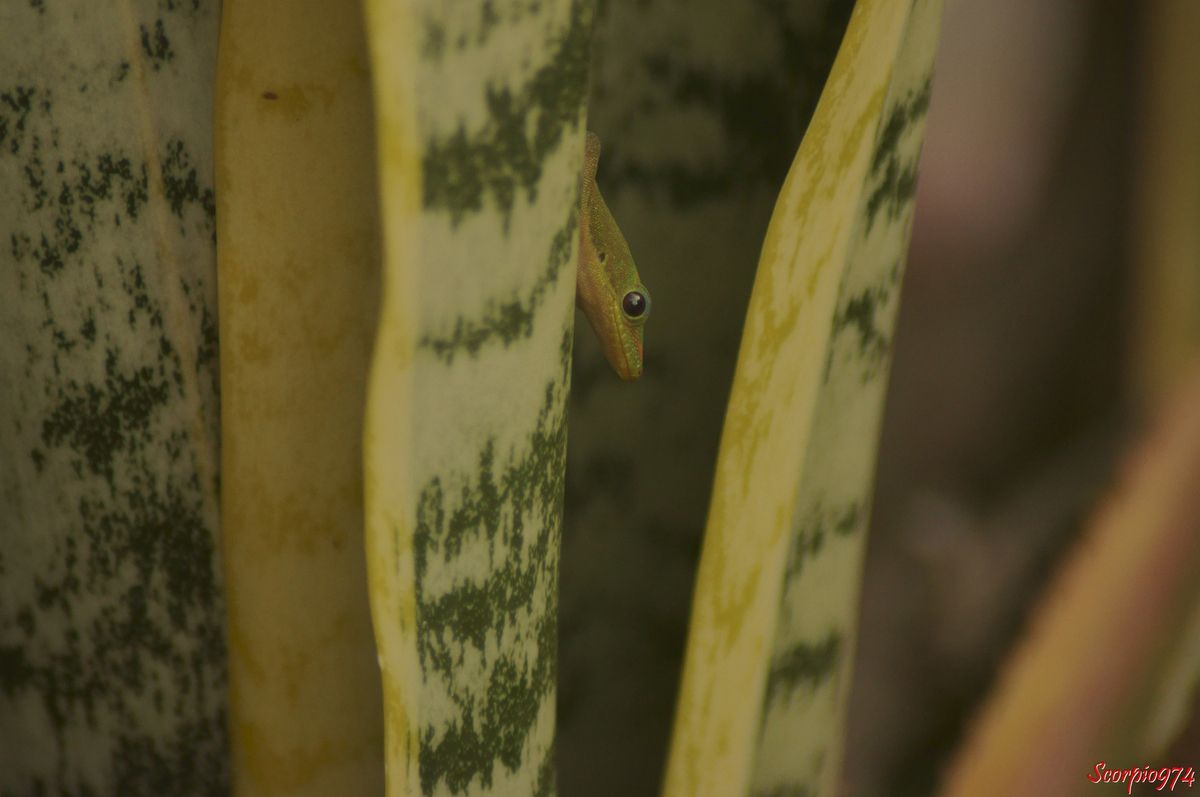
[480, 127]
[112, 637]
[299, 268]
[762, 706]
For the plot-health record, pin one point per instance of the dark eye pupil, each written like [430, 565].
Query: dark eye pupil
[602, 256]
[634, 304]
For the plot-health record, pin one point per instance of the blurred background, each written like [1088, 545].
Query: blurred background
[1052, 299]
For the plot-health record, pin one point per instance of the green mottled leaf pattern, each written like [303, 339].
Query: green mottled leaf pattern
[112, 671]
[810, 672]
[500, 701]
[469, 387]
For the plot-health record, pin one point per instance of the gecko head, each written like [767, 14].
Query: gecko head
[613, 296]
[630, 324]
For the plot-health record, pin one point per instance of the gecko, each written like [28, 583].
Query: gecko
[607, 286]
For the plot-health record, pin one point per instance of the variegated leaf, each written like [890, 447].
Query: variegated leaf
[768, 670]
[481, 141]
[112, 648]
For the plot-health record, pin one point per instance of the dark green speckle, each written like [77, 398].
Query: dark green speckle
[523, 127]
[515, 500]
[156, 46]
[815, 527]
[804, 664]
[182, 186]
[510, 320]
[895, 182]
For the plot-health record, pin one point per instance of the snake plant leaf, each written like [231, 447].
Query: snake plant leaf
[480, 129]
[700, 111]
[762, 705]
[112, 636]
[298, 261]
[1111, 665]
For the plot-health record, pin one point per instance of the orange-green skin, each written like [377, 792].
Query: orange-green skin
[606, 274]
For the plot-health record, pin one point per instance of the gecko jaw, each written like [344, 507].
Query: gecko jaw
[631, 373]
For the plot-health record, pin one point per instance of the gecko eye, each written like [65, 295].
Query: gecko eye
[602, 256]
[634, 304]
